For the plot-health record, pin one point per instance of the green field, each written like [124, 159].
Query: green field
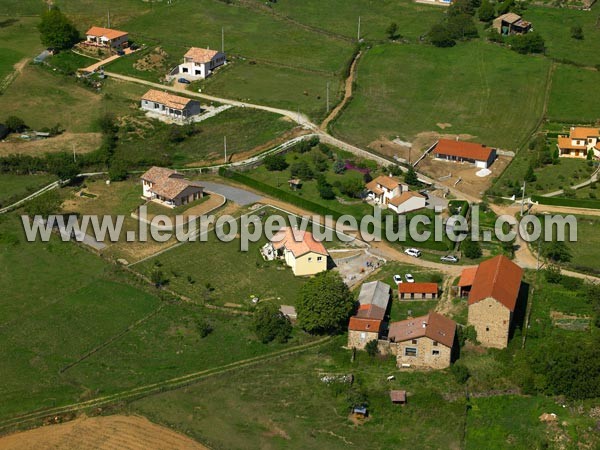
[19, 39]
[17, 8]
[486, 91]
[14, 187]
[554, 24]
[574, 96]
[144, 141]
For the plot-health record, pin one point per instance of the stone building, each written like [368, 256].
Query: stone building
[369, 321]
[493, 296]
[423, 342]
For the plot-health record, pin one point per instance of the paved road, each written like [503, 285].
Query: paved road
[236, 195]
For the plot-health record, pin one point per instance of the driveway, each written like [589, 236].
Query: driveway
[236, 195]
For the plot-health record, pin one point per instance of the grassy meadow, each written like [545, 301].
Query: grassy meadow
[574, 96]
[14, 187]
[474, 88]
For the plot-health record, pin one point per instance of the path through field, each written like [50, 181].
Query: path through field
[104, 433]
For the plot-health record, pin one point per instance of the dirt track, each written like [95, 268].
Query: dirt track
[81, 142]
[111, 432]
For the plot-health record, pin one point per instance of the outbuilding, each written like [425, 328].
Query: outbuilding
[465, 152]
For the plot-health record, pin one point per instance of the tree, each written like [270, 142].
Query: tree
[462, 27]
[459, 7]
[468, 333]
[339, 166]
[392, 31]
[557, 252]
[410, 177]
[275, 162]
[471, 249]
[204, 328]
[486, 11]
[530, 174]
[552, 274]
[15, 124]
[440, 36]
[352, 187]
[270, 324]
[509, 247]
[461, 373]
[157, 277]
[528, 43]
[577, 32]
[325, 189]
[301, 169]
[117, 171]
[590, 155]
[44, 205]
[325, 303]
[56, 30]
[372, 348]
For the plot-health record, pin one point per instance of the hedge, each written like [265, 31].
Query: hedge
[570, 202]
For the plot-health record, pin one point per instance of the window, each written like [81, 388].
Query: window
[410, 351]
[184, 69]
[319, 258]
[198, 72]
[363, 336]
[309, 259]
[435, 353]
[487, 328]
[435, 343]
[414, 341]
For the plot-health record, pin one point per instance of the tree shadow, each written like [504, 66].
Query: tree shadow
[8, 22]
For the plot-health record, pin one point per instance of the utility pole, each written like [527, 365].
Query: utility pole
[108, 19]
[328, 96]
[523, 198]
[358, 28]
[222, 40]
[225, 147]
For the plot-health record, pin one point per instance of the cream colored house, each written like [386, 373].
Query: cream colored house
[106, 37]
[169, 188]
[384, 188]
[579, 142]
[493, 297]
[407, 202]
[300, 250]
[423, 342]
[198, 63]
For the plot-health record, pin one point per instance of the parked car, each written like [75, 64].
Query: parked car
[120, 52]
[409, 278]
[397, 279]
[449, 258]
[413, 252]
[184, 81]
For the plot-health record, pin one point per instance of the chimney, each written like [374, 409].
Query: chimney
[424, 324]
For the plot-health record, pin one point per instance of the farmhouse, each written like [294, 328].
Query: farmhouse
[423, 342]
[406, 202]
[511, 23]
[579, 142]
[106, 37]
[299, 249]
[417, 291]
[199, 63]
[383, 188]
[169, 188]
[170, 105]
[461, 151]
[493, 295]
[368, 322]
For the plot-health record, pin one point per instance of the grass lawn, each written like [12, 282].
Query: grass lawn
[403, 90]
[341, 17]
[283, 404]
[16, 8]
[574, 96]
[145, 142]
[19, 39]
[585, 251]
[554, 24]
[15, 187]
[69, 62]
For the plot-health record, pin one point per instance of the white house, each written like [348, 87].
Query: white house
[407, 202]
[198, 63]
[169, 188]
[170, 105]
[383, 188]
[465, 152]
[106, 37]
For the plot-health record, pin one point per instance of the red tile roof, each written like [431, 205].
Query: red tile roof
[298, 242]
[390, 183]
[106, 32]
[398, 396]
[169, 100]
[418, 288]
[200, 55]
[462, 149]
[360, 324]
[565, 142]
[467, 276]
[405, 196]
[498, 278]
[584, 132]
[434, 326]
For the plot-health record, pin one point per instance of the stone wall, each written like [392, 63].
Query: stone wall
[359, 339]
[491, 320]
[425, 357]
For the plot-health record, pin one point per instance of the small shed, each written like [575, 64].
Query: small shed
[295, 183]
[360, 411]
[398, 397]
[42, 57]
[3, 131]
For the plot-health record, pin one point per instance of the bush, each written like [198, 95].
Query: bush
[46, 204]
[486, 11]
[275, 162]
[204, 328]
[372, 348]
[552, 274]
[15, 124]
[302, 170]
[577, 32]
[440, 36]
[471, 249]
[271, 324]
[528, 43]
[339, 166]
[460, 372]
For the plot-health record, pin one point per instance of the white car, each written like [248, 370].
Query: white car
[409, 278]
[413, 252]
[449, 258]
[397, 279]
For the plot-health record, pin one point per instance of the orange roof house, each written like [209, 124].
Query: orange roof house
[579, 142]
[170, 105]
[368, 322]
[198, 63]
[407, 202]
[461, 151]
[493, 295]
[412, 291]
[200, 55]
[433, 325]
[170, 188]
[106, 37]
[300, 250]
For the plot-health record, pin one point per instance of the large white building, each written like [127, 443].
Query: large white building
[199, 63]
[170, 105]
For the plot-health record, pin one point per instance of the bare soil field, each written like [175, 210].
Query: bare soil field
[111, 432]
[81, 142]
[470, 183]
